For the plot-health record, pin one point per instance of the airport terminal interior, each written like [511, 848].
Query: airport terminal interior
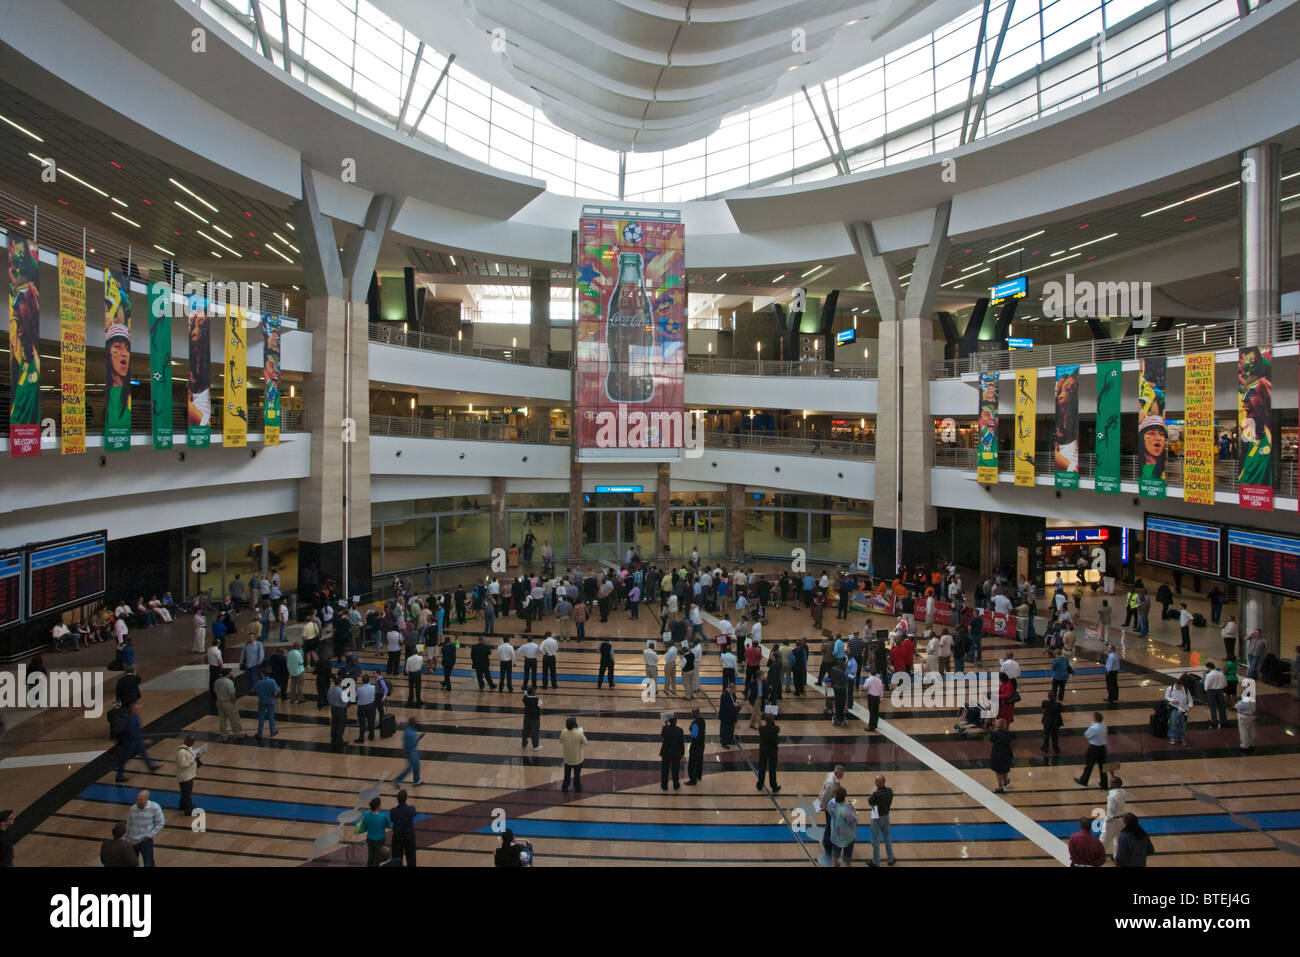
[876, 425]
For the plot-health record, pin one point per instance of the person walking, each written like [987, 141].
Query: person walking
[843, 828]
[447, 651]
[606, 665]
[374, 824]
[480, 657]
[768, 741]
[266, 690]
[1180, 706]
[144, 822]
[549, 648]
[1104, 614]
[695, 761]
[1215, 686]
[411, 751]
[532, 717]
[1112, 675]
[403, 818]
[187, 770]
[1096, 736]
[880, 801]
[1000, 757]
[574, 742]
[131, 742]
[228, 724]
[671, 748]
[1052, 723]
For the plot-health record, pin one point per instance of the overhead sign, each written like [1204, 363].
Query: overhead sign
[1076, 536]
[845, 336]
[619, 488]
[864, 554]
[1011, 289]
[1020, 343]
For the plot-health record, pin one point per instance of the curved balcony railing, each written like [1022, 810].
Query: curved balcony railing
[1225, 470]
[414, 427]
[810, 368]
[291, 420]
[791, 443]
[1174, 342]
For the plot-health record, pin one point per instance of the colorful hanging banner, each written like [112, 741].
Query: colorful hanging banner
[271, 326]
[1255, 433]
[1065, 435]
[234, 418]
[24, 356]
[1106, 473]
[72, 339]
[117, 360]
[1026, 416]
[1153, 436]
[986, 465]
[160, 364]
[198, 431]
[1198, 430]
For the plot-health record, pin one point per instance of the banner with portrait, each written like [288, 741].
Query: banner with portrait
[198, 427]
[117, 362]
[271, 326]
[1026, 424]
[1153, 435]
[72, 353]
[1254, 427]
[986, 462]
[1106, 473]
[160, 364]
[234, 416]
[24, 351]
[1065, 433]
[1198, 430]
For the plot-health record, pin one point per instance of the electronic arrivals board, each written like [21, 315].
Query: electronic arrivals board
[11, 588]
[1187, 546]
[1264, 560]
[64, 573]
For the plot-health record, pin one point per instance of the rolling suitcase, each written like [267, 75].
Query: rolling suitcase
[388, 726]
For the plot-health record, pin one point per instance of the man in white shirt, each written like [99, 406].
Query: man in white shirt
[282, 614]
[696, 621]
[726, 631]
[1115, 802]
[414, 666]
[670, 666]
[1010, 667]
[651, 662]
[1096, 737]
[528, 651]
[1215, 686]
[1185, 626]
[1001, 604]
[549, 648]
[505, 665]
[825, 582]
[1245, 708]
[728, 667]
[874, 690]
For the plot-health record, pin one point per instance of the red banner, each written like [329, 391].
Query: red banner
[998, 623]
[942, 612]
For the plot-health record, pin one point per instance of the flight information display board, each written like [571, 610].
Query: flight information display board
[11, 588]
[1187, 546]
[1264, 560]
[64, 573]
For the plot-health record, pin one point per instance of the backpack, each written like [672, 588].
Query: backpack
[1198, 620]
[1159, 722]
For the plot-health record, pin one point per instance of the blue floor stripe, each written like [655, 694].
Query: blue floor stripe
[696, 833]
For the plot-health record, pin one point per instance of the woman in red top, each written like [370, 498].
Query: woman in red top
[1006, 702]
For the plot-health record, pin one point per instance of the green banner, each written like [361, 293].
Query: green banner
[160, 363]
[1106, 474]
[117, 360]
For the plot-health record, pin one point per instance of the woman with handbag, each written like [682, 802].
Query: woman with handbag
[1000, 758]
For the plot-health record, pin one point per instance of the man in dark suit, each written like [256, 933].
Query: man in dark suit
[695, 763]
[460, 604]
[670, 752]
[728, 711]
[606, 664]
[768, 736]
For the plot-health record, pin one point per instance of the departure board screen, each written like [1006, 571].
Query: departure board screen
[1264, 560]
[65, 573]
[11, 588]
[1186, 546]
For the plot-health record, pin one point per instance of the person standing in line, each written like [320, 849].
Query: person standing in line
[216, 667]
[505, 665]
[695, 761]
[1084, 847]
[1245, 708]
[294, 663]
[447, 651]
[1180, 706]
[528, 652]
[1103, 620]
[1132, 845]
[200, 633]
[606, 665]
[728, 659]
[768, 742]
[394, 645]
[574, 743]
[187, 769]
[881, 800]
[266, 689]
[834, 780]
[580, 614]
[144, 822]
[414, 682]
[799, 667]
[323, 674]
[1256, 649]
[480, 657]
[1112, 675]
[874, 689]
[1052, 723]
[1000, 757]
[1096, 756]
[403, 818]
[1114, 814]
[651, 662]
[251, 658]
[338, 702]
[1061, 672]
[843, 828]
[634, 601]
[228, 724]
[549, 648]
[532, 717]
[1229, 635]
[689, 671]
[671, 748]
[374, 824]
[753, 662]
[411, 751]
[1215, 685]
[728, 713]
[670, 667]
[367, 708]
[1185, 626]
[839, 691]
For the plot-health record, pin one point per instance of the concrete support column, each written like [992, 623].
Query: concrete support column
[497, 528]
[990, 544]
[917, 426]
[539, 316]
[735, 520]
[575, 513]
[1261, 242]
[663, 493]
[1262, 610]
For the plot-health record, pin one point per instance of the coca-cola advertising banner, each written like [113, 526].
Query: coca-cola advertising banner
[631, 339]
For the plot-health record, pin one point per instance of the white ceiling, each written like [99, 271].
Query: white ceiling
[645, 75]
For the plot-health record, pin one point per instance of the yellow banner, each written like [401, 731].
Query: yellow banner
[72, 336]
[1026, 416]
[1198, 433]
[234, 418]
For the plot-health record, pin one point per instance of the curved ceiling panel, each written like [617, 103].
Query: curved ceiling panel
[643, 75]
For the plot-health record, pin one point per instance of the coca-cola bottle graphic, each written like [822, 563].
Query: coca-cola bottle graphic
[629, 335]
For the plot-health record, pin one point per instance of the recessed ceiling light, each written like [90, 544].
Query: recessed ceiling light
[60, 171]
[811, 271]
[124, 219]
[720, 278]
[200, 218]
[222, 231]
[162, 250]
[1020, 240]
[219, 244]
[181, 186]
[277, 252]
[1091, 241]
[21, 129]
[119, 202]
